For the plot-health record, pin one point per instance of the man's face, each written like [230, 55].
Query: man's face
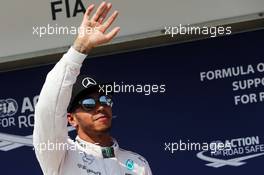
[95, 121]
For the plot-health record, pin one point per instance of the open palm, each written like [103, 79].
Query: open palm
[93, 29]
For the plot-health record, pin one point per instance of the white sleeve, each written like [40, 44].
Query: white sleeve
[148, 170]
[51, 111]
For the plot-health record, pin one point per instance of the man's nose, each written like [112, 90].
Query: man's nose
[99, 107]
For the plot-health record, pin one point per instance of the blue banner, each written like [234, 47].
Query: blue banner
[188, 108]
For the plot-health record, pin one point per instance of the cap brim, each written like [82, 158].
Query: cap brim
[85, 93]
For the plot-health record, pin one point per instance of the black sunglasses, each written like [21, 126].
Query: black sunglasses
[89, 103]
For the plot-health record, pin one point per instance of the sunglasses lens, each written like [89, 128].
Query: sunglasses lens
[88, 103]
[104, 100]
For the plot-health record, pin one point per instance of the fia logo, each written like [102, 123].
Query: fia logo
[8, 107]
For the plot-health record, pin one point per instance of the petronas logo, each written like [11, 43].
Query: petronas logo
[130, 164]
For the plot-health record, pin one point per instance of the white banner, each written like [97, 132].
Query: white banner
[23, 21]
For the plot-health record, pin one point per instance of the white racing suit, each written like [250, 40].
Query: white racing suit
[55, 151]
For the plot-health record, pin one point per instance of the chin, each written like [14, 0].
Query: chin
[104, 129]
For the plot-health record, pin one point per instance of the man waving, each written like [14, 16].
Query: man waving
[65, 95]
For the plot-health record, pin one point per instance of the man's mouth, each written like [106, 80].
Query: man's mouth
[102, 117]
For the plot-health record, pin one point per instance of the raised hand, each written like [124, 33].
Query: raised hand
[93, 29]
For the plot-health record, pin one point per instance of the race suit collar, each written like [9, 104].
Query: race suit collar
[99, 151]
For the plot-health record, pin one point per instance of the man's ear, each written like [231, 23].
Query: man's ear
[72, 120]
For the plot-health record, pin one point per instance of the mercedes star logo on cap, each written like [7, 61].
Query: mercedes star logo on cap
[86, 82]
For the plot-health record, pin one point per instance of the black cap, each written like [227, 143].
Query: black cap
[83, 86]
